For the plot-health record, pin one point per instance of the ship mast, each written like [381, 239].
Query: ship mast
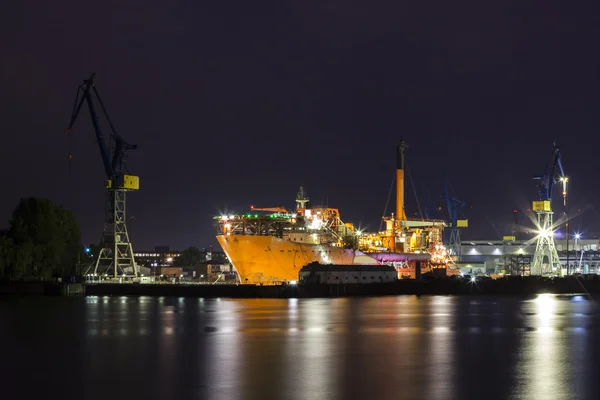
[395, 223]
[400, 212]
[302, 201]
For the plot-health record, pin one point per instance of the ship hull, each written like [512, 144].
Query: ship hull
[271, 260]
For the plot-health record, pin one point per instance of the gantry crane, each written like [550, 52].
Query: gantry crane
[116, 254]
[453, 204]
[545, 259]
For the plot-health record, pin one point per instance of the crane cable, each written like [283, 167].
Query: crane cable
[69, 151]
[69, 145]
[390, 195]
[387, 202]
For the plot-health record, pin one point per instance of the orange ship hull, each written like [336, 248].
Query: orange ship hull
[271, 260]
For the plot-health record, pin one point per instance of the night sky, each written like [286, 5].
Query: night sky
[237, 103]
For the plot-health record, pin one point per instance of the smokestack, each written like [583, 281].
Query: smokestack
[400, 214]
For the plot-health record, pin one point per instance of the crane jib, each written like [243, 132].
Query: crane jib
[547, 180]
[113, 162]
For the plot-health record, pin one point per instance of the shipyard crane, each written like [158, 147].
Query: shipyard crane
[545, 259]
[548, 179]
[116, 254]
[453, 204]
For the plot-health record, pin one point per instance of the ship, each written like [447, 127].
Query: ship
[412, 245]
[271, 245]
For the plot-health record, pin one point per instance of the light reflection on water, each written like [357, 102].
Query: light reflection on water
[441, 354]
[542, 367]
[404, 347]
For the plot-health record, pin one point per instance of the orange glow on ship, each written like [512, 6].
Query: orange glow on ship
[271, 245]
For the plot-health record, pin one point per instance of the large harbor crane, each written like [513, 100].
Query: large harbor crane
[545, 259]
[116, 253]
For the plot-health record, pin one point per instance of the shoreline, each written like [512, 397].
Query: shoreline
[526, 286]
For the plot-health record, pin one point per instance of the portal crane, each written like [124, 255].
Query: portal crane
[547, 180]
[545, 259]
[453, 204]
[116, 254]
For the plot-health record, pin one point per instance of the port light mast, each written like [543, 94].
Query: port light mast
[116, 253]
[545, 259]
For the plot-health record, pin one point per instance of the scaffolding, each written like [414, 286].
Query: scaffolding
[519, 264]
[545, 260]
[116, 255]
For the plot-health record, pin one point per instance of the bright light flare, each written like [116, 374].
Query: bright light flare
[316, 223]
[546, 232]
[545, 306]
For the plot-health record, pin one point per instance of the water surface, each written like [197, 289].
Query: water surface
[397, 347]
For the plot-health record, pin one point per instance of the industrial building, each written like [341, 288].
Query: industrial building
[159, 257]
[163, 256]
[515, 257]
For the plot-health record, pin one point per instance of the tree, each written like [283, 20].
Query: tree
[72, 238]
[6, 249]
[190, 256]
[46, 239]
[22, 261]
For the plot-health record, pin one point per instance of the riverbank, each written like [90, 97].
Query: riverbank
[508, 286]
[505, 286]
[42, 288]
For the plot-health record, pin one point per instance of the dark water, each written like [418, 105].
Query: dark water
[403, 347]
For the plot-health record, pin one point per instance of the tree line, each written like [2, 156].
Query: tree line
[43, 240]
